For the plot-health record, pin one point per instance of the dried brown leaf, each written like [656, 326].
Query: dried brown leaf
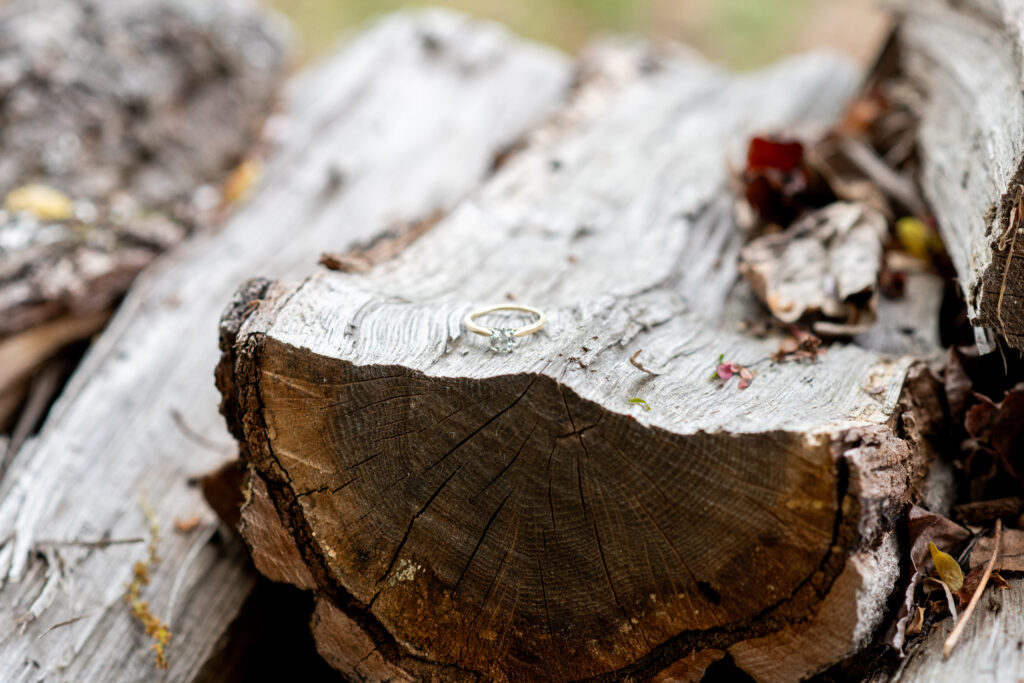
[971, 581]
[1011, 552]
[916, 623]
[922, 527]
[800, 346]
[985, 511]
[999, 428]
[926, 527]
[862, 113]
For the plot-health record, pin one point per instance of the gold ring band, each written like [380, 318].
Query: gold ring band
[503, 339]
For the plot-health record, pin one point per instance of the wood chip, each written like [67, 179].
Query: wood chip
[188, 524]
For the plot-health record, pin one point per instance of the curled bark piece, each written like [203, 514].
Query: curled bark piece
[825, 267]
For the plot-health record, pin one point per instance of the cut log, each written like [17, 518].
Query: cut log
[140, 416]
[965, 59]
[991, 648]
[130, 109]
[467, 514]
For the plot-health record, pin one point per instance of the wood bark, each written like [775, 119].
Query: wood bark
[965, 61]
[373, 143]
[467, 515]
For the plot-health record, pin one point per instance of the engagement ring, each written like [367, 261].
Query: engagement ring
[505, 339]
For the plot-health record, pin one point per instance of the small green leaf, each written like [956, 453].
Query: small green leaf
[641, 402]
[948, 568]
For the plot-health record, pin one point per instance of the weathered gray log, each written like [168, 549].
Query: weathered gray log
[130, 108]
[965, 58]
[908, 325]
[991, 647]
[517, 517]
[396, 127]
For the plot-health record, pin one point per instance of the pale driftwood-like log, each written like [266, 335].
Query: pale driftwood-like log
[520, 517]
[400, 124]
[991, 648]
[908, 324]
[966, 60]
[130, 108]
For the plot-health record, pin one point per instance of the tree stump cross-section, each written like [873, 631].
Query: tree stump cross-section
[462, 513]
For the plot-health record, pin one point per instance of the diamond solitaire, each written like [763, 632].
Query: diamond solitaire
[503, 340]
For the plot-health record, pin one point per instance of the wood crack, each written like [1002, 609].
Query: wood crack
[412, 522]
[480, 541]
[479, 429]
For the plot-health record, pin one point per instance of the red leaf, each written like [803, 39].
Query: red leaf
[778, 153]
[778, 182]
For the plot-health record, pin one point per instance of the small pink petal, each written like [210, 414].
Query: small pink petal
[724, 371]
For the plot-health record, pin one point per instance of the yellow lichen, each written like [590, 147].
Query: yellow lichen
[155, 628]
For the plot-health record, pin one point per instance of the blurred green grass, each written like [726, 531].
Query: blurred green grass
[741, 33]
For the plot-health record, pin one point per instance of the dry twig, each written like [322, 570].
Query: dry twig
[958, 629]
[638, 365]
